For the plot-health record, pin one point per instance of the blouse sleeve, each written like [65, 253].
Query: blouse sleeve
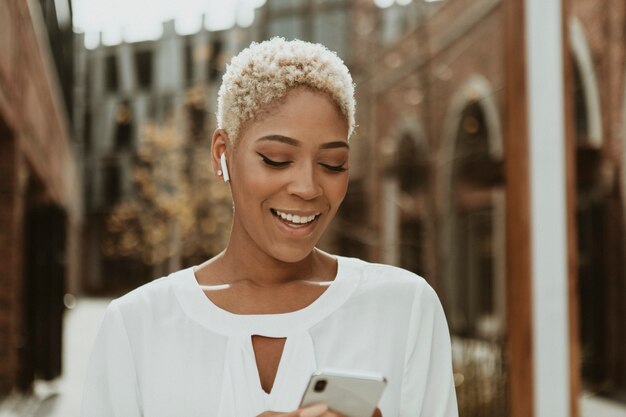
[111, 388]
[428, 384]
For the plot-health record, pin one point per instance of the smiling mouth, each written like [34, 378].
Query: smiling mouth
[294, 220]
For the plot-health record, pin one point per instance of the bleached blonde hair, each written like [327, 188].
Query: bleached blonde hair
[265, 72]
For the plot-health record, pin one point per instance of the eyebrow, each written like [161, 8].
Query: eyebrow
[294, 142]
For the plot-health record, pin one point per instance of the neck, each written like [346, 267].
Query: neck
[244, 260]
[263, 270]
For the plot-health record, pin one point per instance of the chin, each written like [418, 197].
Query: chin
[291, 254]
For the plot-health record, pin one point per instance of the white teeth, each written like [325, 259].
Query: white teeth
[294, 218]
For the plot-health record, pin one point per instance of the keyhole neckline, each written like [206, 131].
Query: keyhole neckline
[201, 309]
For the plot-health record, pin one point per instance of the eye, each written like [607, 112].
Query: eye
[272, 163]
[335, 168]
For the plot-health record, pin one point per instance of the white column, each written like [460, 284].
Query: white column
[544, 45]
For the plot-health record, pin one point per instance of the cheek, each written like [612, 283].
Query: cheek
[266, 182]
[254, 183]
[337, 191]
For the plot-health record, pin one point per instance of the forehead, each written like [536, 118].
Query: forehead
[303, 114]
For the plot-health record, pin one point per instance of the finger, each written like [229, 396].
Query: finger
[316, 410]
[275, 414]
[377, 413]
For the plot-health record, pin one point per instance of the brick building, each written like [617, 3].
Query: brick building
[438, 174]
[40, 205]
[597, 44]
[436, 163]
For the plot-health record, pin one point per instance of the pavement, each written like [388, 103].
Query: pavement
[61, 398]
[16, 404]
[593, 406]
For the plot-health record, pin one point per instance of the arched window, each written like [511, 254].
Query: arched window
[475, 176]
[599, 223]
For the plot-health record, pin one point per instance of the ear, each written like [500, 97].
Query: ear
[219, 145]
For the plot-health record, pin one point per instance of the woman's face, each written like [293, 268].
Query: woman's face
[289, 174]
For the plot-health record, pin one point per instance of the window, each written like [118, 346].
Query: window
[398, 19]
[215, 59]
[87, 136]
[329, 29]
[412, 256]
[353, 236]
[412, 169]
[123, 126]
[111, 73]
[197, 115]
[391, 23]
[475, 176]
[189, 61]
[473, 162]
[112, 183]
[280, 5]
[290, 27]
[143, 67]
[475, 280]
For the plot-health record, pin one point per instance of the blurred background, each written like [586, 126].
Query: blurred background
[106, 114]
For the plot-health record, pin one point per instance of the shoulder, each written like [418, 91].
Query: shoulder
[380, 279]
[158, 294]
[371, 272]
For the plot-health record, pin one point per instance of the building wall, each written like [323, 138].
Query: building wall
[419, 77]
[38, 171]
[600, 32]
[455, 55]
[11, 215]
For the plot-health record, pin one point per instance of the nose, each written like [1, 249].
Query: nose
[304, 183]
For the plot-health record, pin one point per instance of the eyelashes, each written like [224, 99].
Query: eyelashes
[338, 168]
[280, 164]
[276, 164]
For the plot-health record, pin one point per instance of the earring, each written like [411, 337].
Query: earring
[219, 172]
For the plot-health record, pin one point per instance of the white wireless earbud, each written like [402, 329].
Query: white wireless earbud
[224, 167]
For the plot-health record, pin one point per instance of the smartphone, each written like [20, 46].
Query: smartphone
[354, 394]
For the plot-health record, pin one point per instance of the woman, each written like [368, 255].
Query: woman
[240, 335]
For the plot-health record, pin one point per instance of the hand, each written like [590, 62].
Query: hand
[331, 413]
[318, 410]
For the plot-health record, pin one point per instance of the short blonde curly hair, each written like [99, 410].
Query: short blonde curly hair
[265, 72]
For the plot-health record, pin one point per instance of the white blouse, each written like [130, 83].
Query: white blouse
[166, 350]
